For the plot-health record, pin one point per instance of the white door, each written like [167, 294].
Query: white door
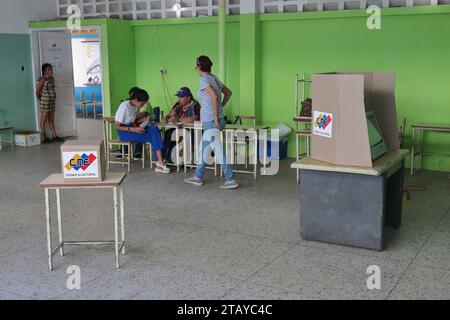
[55, 47]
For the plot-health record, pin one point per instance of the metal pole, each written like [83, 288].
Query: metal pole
[222, 42]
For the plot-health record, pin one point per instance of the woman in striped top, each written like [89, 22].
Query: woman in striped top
[45, 91]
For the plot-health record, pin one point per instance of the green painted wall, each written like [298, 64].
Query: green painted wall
[121, 64]
[264, 52]
[175, 47]
[415, 46]
[16, 86]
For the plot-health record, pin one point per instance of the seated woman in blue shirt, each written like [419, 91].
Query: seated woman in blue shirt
[127, 119]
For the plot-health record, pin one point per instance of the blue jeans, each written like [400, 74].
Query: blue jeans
[211, 137]
[151, 135]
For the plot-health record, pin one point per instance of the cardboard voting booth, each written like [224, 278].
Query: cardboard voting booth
[83, 161]
[340, 102]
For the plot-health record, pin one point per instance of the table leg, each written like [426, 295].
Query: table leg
[49, 232]
[233, 151]
[307, 146]
[255, 157]
[419, 149]
[177, 148]
[247, 154]
[122, 220]
[265, 152]
[215, 153]
[60, 230]
[412, 150]
[297, 157]
[184, 150]
[12, 140]
[116, 229]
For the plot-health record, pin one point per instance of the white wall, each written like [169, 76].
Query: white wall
[15, 14]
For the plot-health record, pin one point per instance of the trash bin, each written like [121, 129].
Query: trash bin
[277, 152]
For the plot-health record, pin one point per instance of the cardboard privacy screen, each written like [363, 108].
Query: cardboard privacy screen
[340, 102]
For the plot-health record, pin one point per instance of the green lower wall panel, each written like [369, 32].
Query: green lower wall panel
[16, 85]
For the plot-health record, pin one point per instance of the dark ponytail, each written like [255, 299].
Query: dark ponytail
[132, 90]
[139, 94]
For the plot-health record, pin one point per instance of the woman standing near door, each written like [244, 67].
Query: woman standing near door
[45, 92]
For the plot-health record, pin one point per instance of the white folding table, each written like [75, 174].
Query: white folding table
[56, 182]
[417, 141]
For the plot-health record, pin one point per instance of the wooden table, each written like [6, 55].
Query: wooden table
[351, 205]
[56, 182]
[417, 152]
[11, 134]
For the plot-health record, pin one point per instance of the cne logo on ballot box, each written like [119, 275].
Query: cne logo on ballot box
[80, 165]
[322, 124]
[83, 160]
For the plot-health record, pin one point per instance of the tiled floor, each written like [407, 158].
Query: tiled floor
[188, 242]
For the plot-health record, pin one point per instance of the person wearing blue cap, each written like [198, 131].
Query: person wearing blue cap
[213, 95]
[187, 111]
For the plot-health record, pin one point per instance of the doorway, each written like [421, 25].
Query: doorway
[76, 58]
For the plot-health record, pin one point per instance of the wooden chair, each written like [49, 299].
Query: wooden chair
[304, 131]
[110, 143]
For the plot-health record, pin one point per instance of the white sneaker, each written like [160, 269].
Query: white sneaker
[194, 180]
[232, 184]
[162, 169]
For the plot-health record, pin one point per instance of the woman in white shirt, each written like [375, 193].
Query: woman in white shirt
[128, 130]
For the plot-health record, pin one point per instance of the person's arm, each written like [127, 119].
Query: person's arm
[195, 117]
[121, 127]
[120, 119]
[39, 87]
[215, 102]
[172, 117]
[227, 93]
